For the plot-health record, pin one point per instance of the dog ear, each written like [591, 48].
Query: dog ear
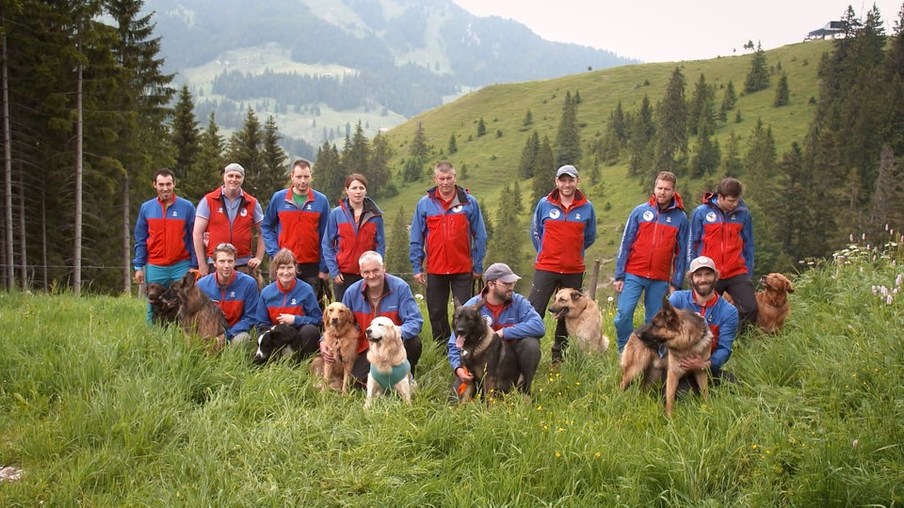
[576, 295]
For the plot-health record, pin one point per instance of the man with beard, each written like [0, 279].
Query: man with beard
[380, 294]
[721, 316]
[513, 319]
[234, 292]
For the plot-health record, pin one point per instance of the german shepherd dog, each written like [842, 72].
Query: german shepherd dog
[772, 302]
[164, 304]
[582, 319]
[279, 341]
[487, 357]
[199, 316]
[684, 334]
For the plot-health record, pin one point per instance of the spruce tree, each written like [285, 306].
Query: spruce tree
[246, 148]
[481, 127]
[782, 95]
[671, 127]
[568, 137]
[380, 182]
[728, 101]
[528, 162]
[275, 163]
[329, 175]
[731, 163]
[185, 136]
[397, 243]
[641, 140]
[453, 145]
[208, 170]
[417, 156]
[758, 76]
[544, 172]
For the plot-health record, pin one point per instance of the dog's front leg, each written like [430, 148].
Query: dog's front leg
[671, 387]
[372, 391]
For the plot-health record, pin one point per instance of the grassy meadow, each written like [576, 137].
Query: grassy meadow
[99, 409]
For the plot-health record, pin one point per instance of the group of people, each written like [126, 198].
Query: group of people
[311, 245]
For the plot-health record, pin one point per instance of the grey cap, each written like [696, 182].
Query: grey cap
[500, 272]
[703, 262]
[235, 166]
[567, 169]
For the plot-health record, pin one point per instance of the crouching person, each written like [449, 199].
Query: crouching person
[234, 292]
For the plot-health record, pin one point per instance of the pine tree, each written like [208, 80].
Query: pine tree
[275, 163]
[782, 95]
[544, 172]
[702, 106]
[210, 163]
[728, 101]
[481, 127]
[731, 163]
[356, 153]
[758, 76]
[528, 119]
[453, 145]
[528, 161]
[380, 182]
[417, 156]
[507, 241]
[641, 139]
[246, 148]
[396, 258]
[671, 127]
[329, 175]
[568, 137]
[760, 162]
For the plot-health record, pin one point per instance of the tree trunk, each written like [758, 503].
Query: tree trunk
[126, 243]
[7, 172]
[77, 251]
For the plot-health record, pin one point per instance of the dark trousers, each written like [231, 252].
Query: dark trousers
[413, 348]
[309, 272]
[545, 284]
[348, 280]
[438, 289]
[310, 336]
[740, 287]
[527, 351]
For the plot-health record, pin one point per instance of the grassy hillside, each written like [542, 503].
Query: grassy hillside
[492, 161]
[98, 409]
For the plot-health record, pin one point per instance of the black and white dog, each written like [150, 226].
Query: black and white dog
[279, 341]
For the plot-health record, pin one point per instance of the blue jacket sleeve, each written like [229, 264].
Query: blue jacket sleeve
[189, 235]
[478, 236]
[728, 330]
[262, 315]
[312, 313]
[250, 315]
[680, 256]
[270, 225]
[590, 228]
[380, 237]
[141, 240]
[747, 238]
[416, 238]
[695, 234]
[321, 228]
[627, 241]
[328, 241]
[536, 227]
[409, 313]
[530, 324]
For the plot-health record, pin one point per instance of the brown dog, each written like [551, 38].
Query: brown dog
[164, 304]
[199, 316]
[772, 302]
[684, 333]
[340, 334]
[582, 319]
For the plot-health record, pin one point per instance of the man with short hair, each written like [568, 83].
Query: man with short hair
[296, 219]
[562, 228]
[163, 235]
[447, 235]
[651, 258]
[234, 292]
[722, 229]
[380, 294]
[721, 317]
[228, 214]
[513, 319]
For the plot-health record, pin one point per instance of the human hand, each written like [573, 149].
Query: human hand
[694, 363]
[252, 263]
[139, 276]
[325, 352]
[618, 286]
[339, 279]
[464, 375]
[286, 319]
[420, 278]
[323, 276]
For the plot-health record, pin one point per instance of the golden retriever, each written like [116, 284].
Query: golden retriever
[582, 319]
[772, 302]
[389, 366]
[340, 333]
[684, 333]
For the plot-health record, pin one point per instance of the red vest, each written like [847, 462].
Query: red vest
[240, 232]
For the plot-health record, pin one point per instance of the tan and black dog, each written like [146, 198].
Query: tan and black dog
[491, 360]
[199, 316]
[684, 334]
[582, 319]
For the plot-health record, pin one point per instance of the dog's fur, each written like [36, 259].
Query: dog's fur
[684, 333]
[340, 334]
[487, 357]
[164, 304]
[198, 315]
[582, 319]
[386, 351]
[279, 341]
[772, 302]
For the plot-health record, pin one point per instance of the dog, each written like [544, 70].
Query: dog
[487, 357]
[282, 341]
[340, 334]
[389, 366]
[772, 302]
[582, 319]
[198, 315]
[684, 334]
[164, 304]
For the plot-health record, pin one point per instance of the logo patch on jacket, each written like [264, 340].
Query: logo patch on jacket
[648, 215]
[711, 217]
[457, 208]
[554, 214]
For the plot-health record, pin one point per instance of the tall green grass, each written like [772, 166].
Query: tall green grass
[99, 409]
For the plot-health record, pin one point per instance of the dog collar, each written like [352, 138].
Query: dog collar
[388, 379]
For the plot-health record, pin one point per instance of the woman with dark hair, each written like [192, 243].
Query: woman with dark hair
[354, 227]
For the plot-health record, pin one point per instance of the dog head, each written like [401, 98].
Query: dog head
[281, 337]
[337, 315]
[469, 326]
[183, 287]
[381, 328]
[777, 283]
[566, 300]
[163, 301]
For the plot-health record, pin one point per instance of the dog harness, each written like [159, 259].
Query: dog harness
[387, 380]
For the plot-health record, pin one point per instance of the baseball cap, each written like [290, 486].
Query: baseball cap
[500, 272]
[567, 169]
[235, 166]
[703, 262]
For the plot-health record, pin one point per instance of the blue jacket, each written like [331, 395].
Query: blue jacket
[722, 318]
[397, 303]
[450, 235]
[518, 317]
[345, 241]
[556, 233]
[654, 243]
[238, 300]
[299, 299]
[727, 239]
[163, 235]
[299, 229]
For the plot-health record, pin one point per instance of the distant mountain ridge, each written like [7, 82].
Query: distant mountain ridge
[400, 57]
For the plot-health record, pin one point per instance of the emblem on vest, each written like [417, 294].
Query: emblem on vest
[554, 213]
[488, 320]
[244, 212]
[648, 215]
[457, 208]
[220, 210]
[711, 217]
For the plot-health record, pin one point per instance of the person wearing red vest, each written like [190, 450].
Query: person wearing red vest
[229, 215]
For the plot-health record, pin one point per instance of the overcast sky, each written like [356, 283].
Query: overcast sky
[671, 30]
